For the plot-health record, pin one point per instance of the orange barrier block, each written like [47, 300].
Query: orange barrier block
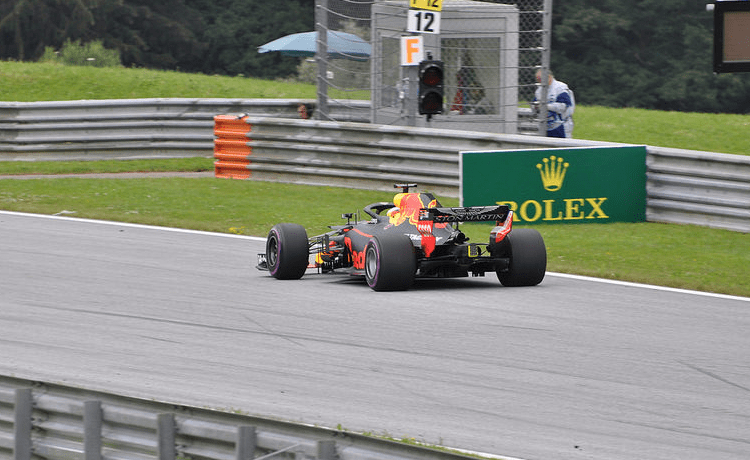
[231, 148]
[231, 170]
[234, 149]
[229, 126]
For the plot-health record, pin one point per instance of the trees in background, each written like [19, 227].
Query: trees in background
[620, 53]
[210, 36]
[160, 34]
[27, 26]
[654, 54]
[235, 29]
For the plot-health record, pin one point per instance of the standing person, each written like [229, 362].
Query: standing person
[560, 106]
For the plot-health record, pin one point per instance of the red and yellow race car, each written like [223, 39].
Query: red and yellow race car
[408, 238]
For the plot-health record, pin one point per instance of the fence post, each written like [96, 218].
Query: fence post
[166, 436]
[22, 425]
[92, 430]
[326, 450]
[321, 56]
[246, 442]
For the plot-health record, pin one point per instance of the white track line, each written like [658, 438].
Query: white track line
[649, 286]
[256, 238]
[131, 225]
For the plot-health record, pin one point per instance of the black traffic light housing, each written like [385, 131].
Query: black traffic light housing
[431, 80]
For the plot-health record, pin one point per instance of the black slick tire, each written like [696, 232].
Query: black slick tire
[390, 262]
[528, 258]
[287, 251]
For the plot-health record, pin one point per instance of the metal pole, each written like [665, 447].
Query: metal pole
[412, 94]
[22, 425]
[546, 52]
[92, 430]
[166, 436]
[326, 450]
[321, 56]
[246, 442]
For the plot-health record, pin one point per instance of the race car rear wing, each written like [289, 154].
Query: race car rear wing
[428, 217]
[465, 214]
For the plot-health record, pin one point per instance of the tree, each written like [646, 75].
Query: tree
[237, 29]
[158, 35]
[27, 26]
[641, 53]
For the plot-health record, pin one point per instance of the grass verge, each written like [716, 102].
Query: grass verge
[30, 82]
[722, 133]
[679, 256]
[197, 164]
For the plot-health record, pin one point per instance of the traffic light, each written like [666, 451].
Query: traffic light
[430, 87]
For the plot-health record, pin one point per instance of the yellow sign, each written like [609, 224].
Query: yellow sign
[434, 5]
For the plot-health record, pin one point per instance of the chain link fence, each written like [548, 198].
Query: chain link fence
[491, 50]
[342, 76]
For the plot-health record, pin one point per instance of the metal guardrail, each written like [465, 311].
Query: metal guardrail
[131, 128]
[369, 156]
[683, 186]
[54, 422]
[698, 188]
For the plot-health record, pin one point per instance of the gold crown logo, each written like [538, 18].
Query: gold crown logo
[552, 172]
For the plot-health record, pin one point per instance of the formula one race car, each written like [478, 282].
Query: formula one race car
[411, 237]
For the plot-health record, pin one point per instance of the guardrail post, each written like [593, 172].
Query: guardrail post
[22, 425]
[166, 436]
[326, 450]
[246, 442]
[92, 430]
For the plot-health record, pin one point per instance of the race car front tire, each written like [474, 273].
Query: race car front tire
[528, 258]
[390, 262]
[287, 251]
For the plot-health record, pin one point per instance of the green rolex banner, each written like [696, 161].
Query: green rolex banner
[571, 185]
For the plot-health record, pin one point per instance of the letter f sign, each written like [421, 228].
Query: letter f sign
[412, 51]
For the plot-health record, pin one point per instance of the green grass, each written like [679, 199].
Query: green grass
[682, 256]
[679, 256]
[723, 133]
[27, 82]
[196, 164]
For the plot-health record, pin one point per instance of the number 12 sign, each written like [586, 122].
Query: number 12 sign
[424, 22]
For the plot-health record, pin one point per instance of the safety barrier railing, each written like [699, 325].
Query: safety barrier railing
[53, 422]
[365, 155]
[699, 188]
[689, 187]
[132, 128]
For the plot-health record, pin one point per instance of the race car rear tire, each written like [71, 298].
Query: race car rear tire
[287, 251]
[390, 262]
[528, 258]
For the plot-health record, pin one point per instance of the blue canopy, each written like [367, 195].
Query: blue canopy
[341, 45]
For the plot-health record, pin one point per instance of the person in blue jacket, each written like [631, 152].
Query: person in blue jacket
[560, 106]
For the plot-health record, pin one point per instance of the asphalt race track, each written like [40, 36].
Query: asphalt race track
[571, 369]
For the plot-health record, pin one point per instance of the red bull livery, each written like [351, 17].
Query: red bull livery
[411, 237]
